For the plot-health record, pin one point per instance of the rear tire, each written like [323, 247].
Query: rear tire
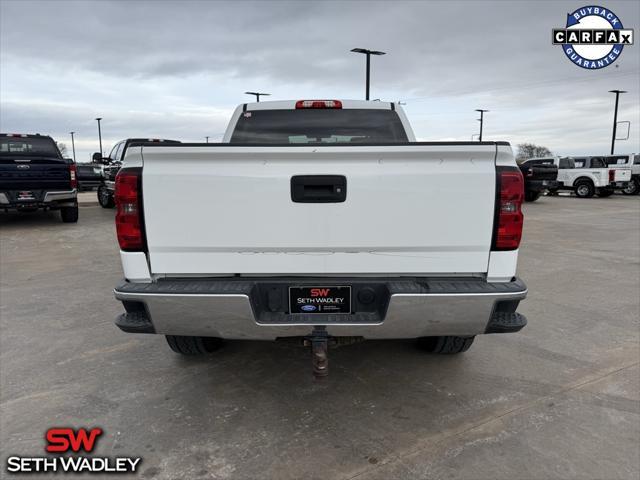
[530, 196]
[605, 192]
[445, 345]
[193, 345]
[633, 188]
[585, 189]
[69, 214]
[105, 199]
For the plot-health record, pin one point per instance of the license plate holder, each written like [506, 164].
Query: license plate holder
[25, 195]
[319, 299]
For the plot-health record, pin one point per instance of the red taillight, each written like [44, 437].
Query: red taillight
[509, 216]
[612, 175]
[73, 175]
[128, 197]
[318, 104]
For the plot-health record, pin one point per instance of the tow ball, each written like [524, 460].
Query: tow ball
[320, 341]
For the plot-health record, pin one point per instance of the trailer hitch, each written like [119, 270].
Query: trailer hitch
[319, 342]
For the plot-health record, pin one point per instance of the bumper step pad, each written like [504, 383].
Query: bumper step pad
[135, 322]
[506, 322]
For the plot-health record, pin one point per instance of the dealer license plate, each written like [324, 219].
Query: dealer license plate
[321, 299]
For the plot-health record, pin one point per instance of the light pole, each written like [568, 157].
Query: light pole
[100, 135]
[368, 53]
[73, 146]
[207, 138]
[257, 95]
[615, 118]
[481, 120]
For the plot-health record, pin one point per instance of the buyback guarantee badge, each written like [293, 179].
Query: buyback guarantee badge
[593, 37]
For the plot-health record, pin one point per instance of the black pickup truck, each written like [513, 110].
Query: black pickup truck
[539, 175]
[112, 165]
[33, 175]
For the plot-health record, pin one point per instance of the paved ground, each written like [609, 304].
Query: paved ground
[561, 399]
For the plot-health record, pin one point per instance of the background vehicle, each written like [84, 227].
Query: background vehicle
[89, 176]
[539, 175]
[587, 176]
[112, 165]
[627, 161]
[324, 219]
[33, 175]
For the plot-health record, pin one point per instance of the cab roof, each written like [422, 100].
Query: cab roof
[291, 104]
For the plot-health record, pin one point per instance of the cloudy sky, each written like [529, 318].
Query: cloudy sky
[177, 69]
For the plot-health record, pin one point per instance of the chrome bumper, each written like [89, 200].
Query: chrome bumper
[225, 309]
[57, 196]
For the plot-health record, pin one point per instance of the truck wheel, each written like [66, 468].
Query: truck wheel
[445, 345]
[69, 214]
[193, 345]
[605, 192]
[632, 188]
[585, 189]
[530, 196]
[105, 199]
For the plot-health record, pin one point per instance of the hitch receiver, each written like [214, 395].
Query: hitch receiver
[319, 341]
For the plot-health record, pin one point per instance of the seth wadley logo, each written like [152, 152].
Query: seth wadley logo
[65, 441]
[593, 37]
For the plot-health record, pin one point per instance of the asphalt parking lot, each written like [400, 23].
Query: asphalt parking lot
[561, 399]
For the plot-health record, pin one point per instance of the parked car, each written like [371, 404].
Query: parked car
[89, 176]
[627, 161]
[321, 219]
[112, 165]
[587, 176]
[540, 175]
[34, 175]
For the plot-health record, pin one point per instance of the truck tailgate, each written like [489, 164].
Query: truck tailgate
[220, 210]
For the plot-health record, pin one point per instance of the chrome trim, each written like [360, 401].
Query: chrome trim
[408, 316]
[3, 199]
[53, 196]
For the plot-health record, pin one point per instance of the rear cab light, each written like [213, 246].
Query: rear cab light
[301, 104]
[129, 218]
[508, 214]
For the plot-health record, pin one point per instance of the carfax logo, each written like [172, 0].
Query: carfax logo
[593, 37]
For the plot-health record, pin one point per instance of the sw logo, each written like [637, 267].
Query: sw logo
[593, 37]
[320, 292]
[67, 440]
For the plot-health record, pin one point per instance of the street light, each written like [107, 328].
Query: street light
[481, 120]
[368, 53]
[207, 138]
[257, 95]
[100, 135]
[73, 146]
[615, 118]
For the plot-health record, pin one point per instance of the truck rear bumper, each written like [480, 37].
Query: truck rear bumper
[39, 199]
[243, 308]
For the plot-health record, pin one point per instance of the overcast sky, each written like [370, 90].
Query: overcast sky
[177, 69]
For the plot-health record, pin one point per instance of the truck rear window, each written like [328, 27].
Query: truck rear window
[34, 146]
[319, 126]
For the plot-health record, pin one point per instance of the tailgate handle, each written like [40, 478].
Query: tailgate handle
[318, 188]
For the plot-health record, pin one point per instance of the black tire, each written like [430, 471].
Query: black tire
[69, 214]
[193, 345]
[585, 189]
[445, 345]
[605, 192]
[105, 199]
[633, 188]
[530, 196]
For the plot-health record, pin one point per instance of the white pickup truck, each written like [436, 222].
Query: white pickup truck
[587, 176]
[320, 219]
